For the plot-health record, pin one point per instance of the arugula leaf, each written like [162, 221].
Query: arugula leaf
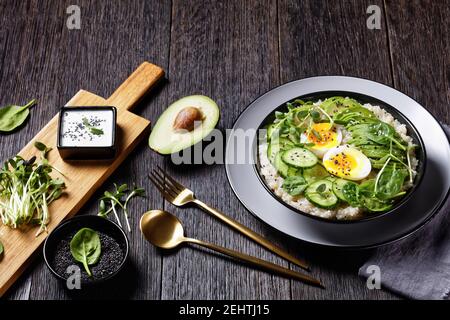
[294, 185]
[85, 247]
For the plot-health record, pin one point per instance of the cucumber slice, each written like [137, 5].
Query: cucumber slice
[272, 150]
[315, 173]
[320, 193]
[338, 185]
[276, 146]
[282, 168]
[270, 131]
[285, 143]
[299, 158]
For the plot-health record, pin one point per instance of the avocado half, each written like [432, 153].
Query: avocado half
[175, 129]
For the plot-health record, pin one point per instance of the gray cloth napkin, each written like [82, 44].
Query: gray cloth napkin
[419, 266]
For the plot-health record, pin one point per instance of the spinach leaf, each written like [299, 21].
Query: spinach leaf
[351, 194]
[295, 185]
[85, 247]
[390, 182]
[367, 188]
[11, 117]
[376, 205]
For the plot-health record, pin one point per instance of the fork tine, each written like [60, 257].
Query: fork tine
[156, 184]
[163, 183]
[167, 183]
[179, 186]
[166, 195]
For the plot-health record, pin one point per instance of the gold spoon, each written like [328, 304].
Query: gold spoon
[164, 230]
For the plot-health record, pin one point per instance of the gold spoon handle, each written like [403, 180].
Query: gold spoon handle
[251, 234]
[256, 261]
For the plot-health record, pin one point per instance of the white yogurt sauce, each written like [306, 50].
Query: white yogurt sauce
[98, 132]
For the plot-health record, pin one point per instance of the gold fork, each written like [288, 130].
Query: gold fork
[179, 195]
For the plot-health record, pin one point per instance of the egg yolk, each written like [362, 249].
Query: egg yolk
[324, 135]
[341, 164]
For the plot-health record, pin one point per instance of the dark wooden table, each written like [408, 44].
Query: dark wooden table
[232, 51]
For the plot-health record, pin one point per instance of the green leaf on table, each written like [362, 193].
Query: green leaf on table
[11, 117]
[85, 247]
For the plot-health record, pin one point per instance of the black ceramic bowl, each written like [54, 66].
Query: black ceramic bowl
[115, 249]
[412, 132]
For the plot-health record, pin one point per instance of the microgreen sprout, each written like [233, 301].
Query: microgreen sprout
[27, 189]
[119, 199]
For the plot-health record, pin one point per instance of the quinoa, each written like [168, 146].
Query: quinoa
[343, 212]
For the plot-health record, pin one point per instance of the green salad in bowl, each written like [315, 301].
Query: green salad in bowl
[337, 158]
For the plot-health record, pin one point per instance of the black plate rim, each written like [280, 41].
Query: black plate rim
[332, 246]
[397, 206]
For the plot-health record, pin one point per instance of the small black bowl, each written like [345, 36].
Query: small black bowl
[110, 234]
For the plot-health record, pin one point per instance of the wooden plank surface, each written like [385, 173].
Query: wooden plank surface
[70, 59]
[232, 51]
[228, 51]
[420, 51]
[331, 38]
[82, 178]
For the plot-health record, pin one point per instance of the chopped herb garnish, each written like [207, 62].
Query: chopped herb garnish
[94, 130]
[316, 134]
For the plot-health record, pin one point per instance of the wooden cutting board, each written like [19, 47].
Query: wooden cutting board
[82, 177]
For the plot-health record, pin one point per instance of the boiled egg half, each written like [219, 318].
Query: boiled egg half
[347, 163]
[324, 136]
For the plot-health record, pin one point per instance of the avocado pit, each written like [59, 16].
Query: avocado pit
[188, 118]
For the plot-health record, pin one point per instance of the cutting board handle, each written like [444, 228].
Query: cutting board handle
[136, 86]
